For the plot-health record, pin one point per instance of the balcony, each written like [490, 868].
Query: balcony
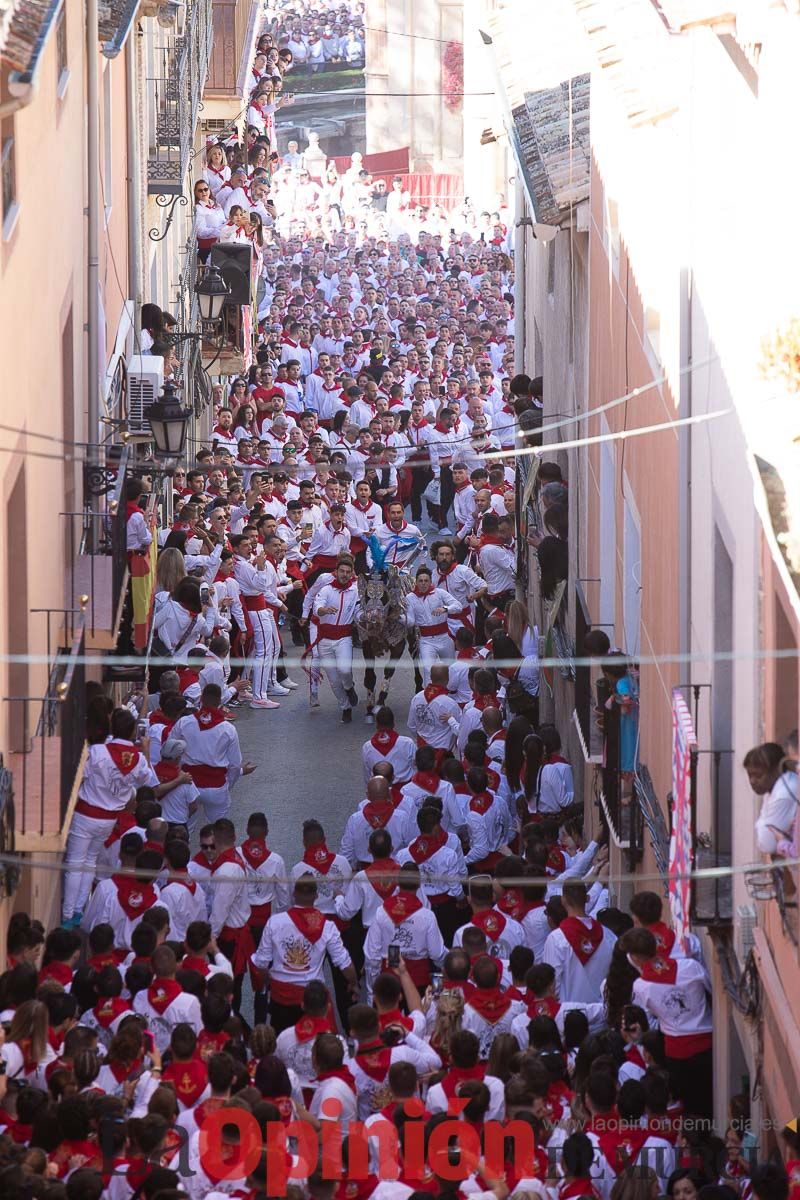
[47, 767]
[236, 27]
[174, 92]
[96, 549]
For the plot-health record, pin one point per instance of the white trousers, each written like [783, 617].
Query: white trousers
[84, 843]
[434, 650]
[216, 802]
[264, 655]
[337, 662]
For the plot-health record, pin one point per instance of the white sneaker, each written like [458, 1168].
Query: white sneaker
[445, 531]
[314, 700]
[290, 684]
[264, 704]
[278, 689]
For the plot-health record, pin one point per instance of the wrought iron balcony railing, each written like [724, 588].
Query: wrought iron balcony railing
[174, 94]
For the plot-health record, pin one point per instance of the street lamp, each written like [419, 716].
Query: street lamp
[212, 291]
[169, 422]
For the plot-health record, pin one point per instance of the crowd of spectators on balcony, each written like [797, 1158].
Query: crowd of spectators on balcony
[320, 36]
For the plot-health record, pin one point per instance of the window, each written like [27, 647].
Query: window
[8, 169]
[62, 64]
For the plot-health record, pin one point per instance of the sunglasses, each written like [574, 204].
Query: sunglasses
[206, 845]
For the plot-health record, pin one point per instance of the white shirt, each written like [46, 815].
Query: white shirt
[344, 601]
[421, 612]
[183, 907]
[424, 720]
[283, 947]
[105, 786]
[498, 564]
[574, 979]
[682, 1006]
[400, 754]
[329, 884]
[214, 746]
[357, 832]
[418, 937]
[230, 904]
[484, 1030]
[184, 1008]
[398, 544]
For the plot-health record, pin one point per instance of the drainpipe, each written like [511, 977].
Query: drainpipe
[134, 227]
[685, 477]
[93, 232]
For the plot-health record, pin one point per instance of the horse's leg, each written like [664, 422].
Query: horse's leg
[370, 678]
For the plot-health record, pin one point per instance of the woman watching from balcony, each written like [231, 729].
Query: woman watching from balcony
[209, 219]
[236, 227]
[257, 157]
[774, 776]
[216, 170]
[170, 570]
[245, 424]
[152, 326]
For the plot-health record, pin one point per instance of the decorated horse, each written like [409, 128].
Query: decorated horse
[381, 622]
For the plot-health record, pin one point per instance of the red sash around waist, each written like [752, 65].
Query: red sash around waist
[94, 810]
[433, 630]
[205, 776]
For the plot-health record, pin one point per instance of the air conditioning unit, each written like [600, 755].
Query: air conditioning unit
[145, 381]
[745, 931]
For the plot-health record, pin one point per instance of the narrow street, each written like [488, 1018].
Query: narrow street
[309, 763]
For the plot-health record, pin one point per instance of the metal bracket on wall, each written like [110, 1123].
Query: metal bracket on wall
[169, 203]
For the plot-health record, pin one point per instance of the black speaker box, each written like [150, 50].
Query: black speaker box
[234, 261]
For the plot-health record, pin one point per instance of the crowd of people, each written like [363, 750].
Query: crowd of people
[458, 957]
[320, 35]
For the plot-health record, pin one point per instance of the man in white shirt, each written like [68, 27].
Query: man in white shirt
[165, 1004]
[377, 813]
[580, 950]
[677, 992]
[258, 582]
[293, 947]
[434, 715]
[212, 756]
[404, 921]
[399, 541]
[387, 745]
[230, 908]
[335, 608]
[460, 581]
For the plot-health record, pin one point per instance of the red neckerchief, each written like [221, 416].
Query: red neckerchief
[556, 758]
[583, 940]
[106, 1011]
[308, 921]
[255, 851]
[209, 718]
[491, 922]
[60, 971]
[202, 861]
[395, 1017]
[481, 803]
[512, 904]
[342, 1073]
[166, 770]
[433, 690]
[319, 857]
[665, 938]
[108, 958]
[426, 845]
[134, 897]
[130, 508]
[396, 792]
[401, 906]
[621, 1146]
[634, 1055]
[459, 1075]
[382, 874]
[361, 507]
[490, 1003]
[602, 1122]
[161, 993]
[491, 539]
[193, 962]
[187, 676]
[660, 970]
[121, 1070]
[471, 652]
[124, 755]
[384, 740]
[156, 717]
[443, 428]
[374, 1059]
[307, 1028]
[427, 780]
[190, 1080]
[208, 1044]
[422, 595]
[542, 1006]
[342, 587]
[378, 816]
[231, 855]
[183, 880]
[356, 1189]
[484, 702]
[125, 821]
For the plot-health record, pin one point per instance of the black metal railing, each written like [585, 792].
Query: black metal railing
[712, 895]
[620, 807]
[53, 733]
[174, 94]
[96, 548]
